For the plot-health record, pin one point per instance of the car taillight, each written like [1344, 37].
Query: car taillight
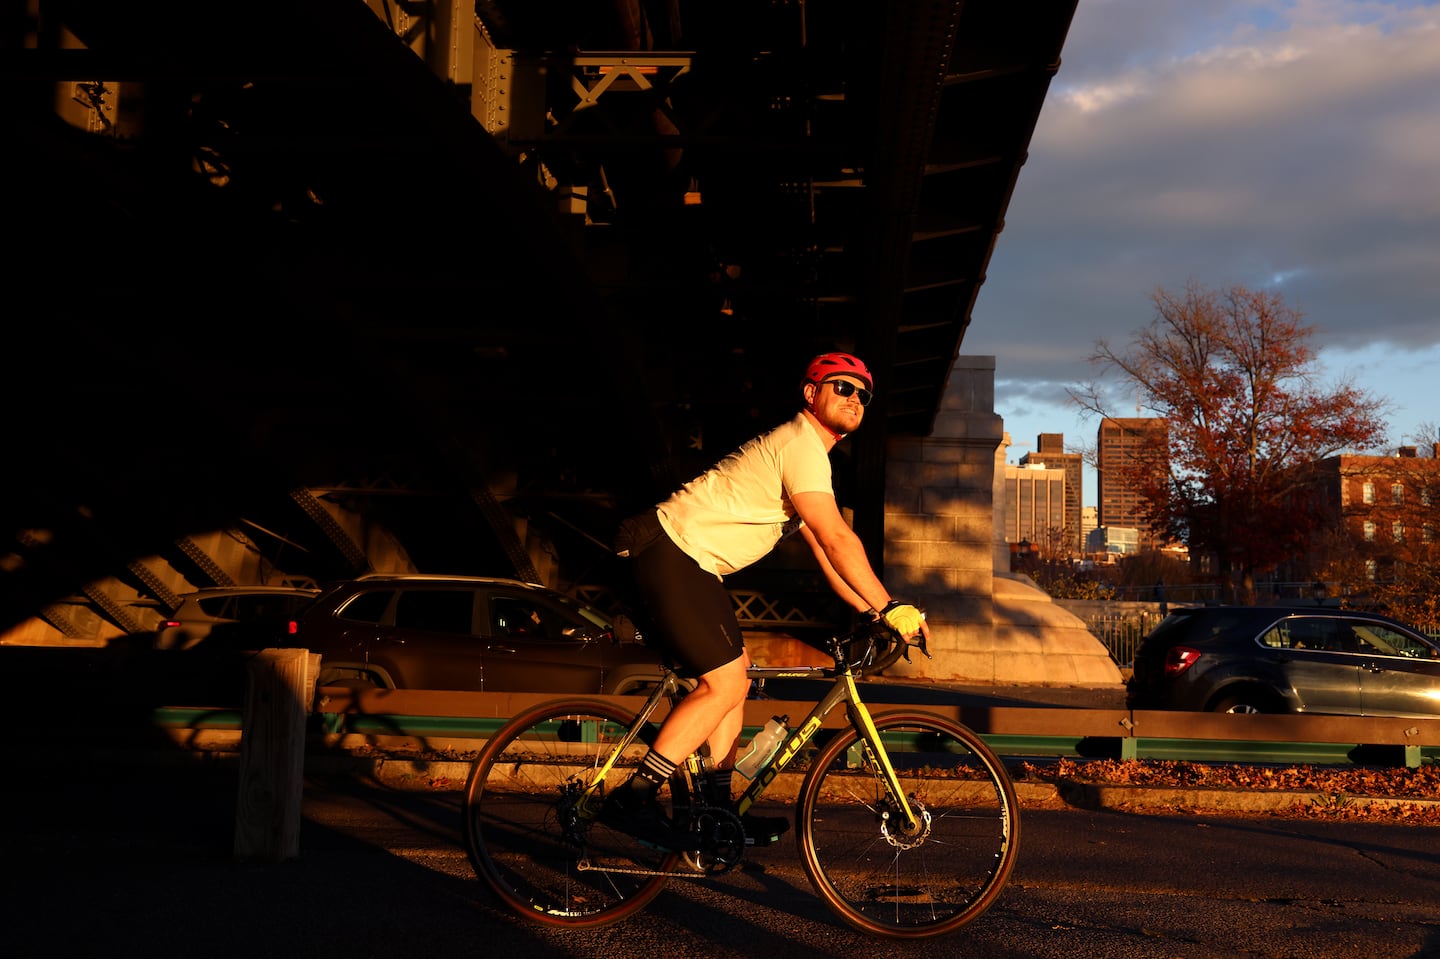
[1179, 659]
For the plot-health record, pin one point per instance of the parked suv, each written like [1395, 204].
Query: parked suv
[1274, 659]
[420, 631]
[239, 617]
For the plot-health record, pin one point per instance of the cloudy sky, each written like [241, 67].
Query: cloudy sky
[1292, 146]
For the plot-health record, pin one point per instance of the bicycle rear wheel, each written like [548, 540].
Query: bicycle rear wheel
[526, 831]
[930, 880]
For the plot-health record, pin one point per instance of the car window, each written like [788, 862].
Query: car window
[369, 607]
[1278, 637]
[1384, 641]
[591, 616]
[1200, 625]
[216, 607]
[1291, 634]
[1173, 629]
[275, 606]
[516, 616]
[436, 610]
[1312, 633]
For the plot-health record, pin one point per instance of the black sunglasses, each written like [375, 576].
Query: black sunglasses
[845, 388]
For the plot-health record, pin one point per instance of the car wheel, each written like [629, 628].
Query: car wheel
[356, 682]
[1245, 703]
[349, 679]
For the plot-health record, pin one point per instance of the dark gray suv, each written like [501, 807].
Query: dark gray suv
[1275, 659]
[417, 631]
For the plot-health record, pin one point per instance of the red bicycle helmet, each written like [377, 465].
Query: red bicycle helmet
[827, 365]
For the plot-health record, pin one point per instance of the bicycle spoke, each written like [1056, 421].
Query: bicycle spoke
[529, 838]
[532, 833]
[934, 877]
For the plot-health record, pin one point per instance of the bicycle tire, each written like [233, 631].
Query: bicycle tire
[909, 887]
[525, 835]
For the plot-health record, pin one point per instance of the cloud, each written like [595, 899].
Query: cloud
[1233, 143]
[1293, 146]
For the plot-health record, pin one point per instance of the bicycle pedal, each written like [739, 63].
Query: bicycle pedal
[763, 830]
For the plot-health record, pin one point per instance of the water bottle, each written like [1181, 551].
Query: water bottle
[763, 746]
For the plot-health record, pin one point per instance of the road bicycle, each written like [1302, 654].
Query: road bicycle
[907, 822]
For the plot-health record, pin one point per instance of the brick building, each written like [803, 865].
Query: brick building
[1381, 512]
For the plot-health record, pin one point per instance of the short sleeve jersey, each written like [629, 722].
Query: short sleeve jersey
[734, 513]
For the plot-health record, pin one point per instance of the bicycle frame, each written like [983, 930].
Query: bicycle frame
[842, 690]
[905, 821]
[667, 690]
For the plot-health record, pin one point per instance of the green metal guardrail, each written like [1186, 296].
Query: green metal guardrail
[1070, 733]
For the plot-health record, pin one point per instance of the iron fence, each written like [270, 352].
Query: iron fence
[1121, 630]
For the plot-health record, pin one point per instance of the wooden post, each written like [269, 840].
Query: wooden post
[272, 754]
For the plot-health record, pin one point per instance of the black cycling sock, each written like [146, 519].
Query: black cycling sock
[719, 780]
[654, 771]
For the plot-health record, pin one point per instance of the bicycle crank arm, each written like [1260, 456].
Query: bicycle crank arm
[584, 865]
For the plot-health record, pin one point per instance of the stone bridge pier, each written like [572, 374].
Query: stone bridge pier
[945, 546]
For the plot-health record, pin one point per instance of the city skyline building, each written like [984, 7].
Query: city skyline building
[1050, 451]
[1120, 445]
[1034, 511]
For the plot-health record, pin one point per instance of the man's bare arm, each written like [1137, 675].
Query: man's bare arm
[839, 551]
[842, 557]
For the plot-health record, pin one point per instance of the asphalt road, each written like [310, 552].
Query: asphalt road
[102, 861]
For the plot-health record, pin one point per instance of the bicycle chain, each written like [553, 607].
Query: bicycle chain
[584, 865]
[722, 855]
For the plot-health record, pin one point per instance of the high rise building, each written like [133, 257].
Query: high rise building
[1118, 448]
[1035, 506]
[1050, 451]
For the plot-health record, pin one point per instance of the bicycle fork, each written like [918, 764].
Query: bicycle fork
[903, 826]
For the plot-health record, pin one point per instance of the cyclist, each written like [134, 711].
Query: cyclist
[720, 522]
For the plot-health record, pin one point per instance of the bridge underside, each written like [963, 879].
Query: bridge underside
[300, 283]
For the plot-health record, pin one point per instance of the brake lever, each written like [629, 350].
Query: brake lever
[919, 642]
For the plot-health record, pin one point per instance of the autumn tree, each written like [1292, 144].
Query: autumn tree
[1426, 438]
[1232, 375]
[1052, 564]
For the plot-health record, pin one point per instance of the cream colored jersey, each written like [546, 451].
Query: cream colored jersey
[734, 513]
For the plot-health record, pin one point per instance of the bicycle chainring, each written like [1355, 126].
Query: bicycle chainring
[723, 838]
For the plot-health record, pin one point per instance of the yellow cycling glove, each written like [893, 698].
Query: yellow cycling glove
[904, 618]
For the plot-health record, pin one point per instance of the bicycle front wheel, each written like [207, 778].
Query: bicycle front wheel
[530, 831]
[926, 880]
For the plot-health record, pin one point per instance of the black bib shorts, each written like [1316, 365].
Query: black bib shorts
[690, 608]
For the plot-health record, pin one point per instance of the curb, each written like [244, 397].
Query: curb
[423, 775]
[1166, 799]
[420, 774]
